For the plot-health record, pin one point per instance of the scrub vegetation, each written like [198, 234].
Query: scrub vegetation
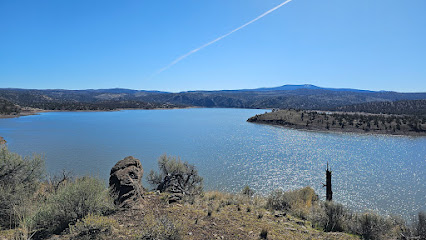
[176, 177]
[345, 122]
[34, 206]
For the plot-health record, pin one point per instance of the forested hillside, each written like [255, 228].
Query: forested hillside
[79, 100]
[412, 107]
[300, 97]
[8, 108]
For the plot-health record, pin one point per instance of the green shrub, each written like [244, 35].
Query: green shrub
[330, 217]
[92, 226]
[73, 201]
[160, 228]
[372, 226]
[277, 200]
[247, 191]
[176, 177]
[260, 214]
[421, 226]
[263, 234]
[19, 180]
[335, 217]
[299, 202]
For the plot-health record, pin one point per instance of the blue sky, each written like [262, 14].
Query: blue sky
[76, 44]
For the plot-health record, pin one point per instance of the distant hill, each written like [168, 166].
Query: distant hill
[411, 107]
[284, 88]
[302, 98]
[290, 87]
[287, 96]
[58, 99]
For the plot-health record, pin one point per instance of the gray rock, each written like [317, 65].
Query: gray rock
[125, 182]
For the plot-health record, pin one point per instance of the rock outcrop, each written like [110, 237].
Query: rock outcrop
[125, 182]
[2, 141]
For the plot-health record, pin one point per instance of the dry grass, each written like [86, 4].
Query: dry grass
[192, 221]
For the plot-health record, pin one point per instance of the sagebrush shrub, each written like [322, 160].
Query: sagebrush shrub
[93, 225]
[247, 191]
[298, 202]
[421, 225]
[19, 180]
[336, 216]
[73, 201]
[330, 217]
[176, 176]
[372, 226]
[263, 234]
[160, 228]
[277, 200]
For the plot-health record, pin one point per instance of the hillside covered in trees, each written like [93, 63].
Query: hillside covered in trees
[8, 108]
[17, 101]
[288, 96]
[408, 107]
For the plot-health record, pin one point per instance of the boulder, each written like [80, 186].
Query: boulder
[125, 182]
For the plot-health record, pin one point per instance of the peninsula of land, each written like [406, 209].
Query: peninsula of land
[411, 125]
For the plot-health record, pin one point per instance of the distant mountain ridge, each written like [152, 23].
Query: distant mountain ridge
[289, 87]
[287, 96]
[286, 87]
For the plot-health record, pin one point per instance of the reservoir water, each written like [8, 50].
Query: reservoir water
[377, 172]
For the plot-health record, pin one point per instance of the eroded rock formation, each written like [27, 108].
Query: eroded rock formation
[125, 181]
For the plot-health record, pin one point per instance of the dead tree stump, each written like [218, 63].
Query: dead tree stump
[329, 192]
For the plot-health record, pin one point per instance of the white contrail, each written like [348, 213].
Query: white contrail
[219, 38]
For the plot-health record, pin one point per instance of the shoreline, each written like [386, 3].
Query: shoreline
[38, 111]
[345, 131]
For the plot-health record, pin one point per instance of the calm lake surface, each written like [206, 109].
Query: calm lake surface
[377, 172]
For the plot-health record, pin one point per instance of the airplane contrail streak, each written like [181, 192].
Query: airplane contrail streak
[219, 38]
